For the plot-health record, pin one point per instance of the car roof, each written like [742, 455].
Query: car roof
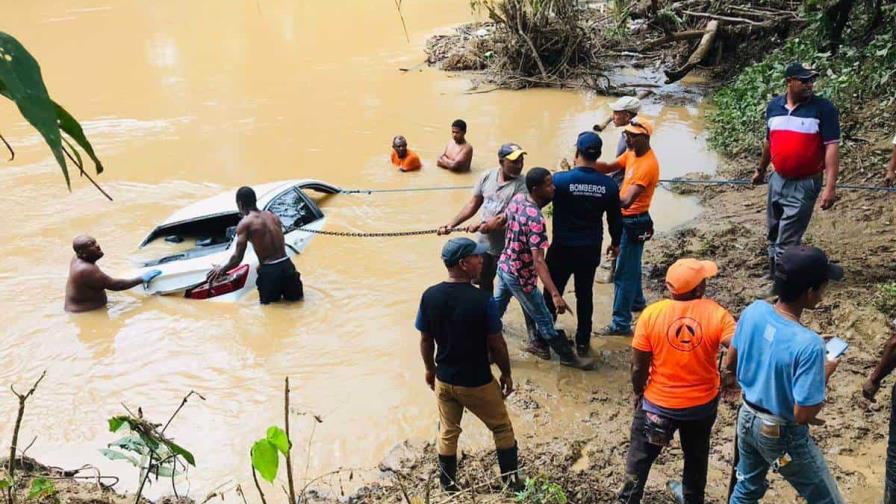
[225, 203]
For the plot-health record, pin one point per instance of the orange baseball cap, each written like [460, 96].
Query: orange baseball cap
[686, 274]
[640, 126]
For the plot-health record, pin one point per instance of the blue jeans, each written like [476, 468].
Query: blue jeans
[627, 279]
[792, 454]
[533, 305]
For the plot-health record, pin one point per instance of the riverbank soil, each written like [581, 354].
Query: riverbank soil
[587, 459]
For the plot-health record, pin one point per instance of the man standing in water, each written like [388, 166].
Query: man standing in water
[802, 142]
[277, 276]
[87, 284]
[492, 194]
[642, 173]
[459, 324]
[458, 153]
[583, 196]
[403, 158]
[522, 264]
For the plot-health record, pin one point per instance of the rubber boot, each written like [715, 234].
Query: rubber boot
[567, 357]
[508, 462]
[448, 473]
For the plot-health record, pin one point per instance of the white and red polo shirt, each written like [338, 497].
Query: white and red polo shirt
[797, 136]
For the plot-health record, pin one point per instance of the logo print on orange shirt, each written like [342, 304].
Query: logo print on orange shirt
[685, 334]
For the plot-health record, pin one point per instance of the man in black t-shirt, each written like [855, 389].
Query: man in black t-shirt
[459, 326]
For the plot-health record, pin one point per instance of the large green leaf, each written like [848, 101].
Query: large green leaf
[4, 484]
[23, 84]
[179, 450]
[73, 128]
[116, 422]
[278, 438]
[265, 459]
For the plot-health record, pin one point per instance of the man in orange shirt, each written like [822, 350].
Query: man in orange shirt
[405, 159]
[642, 173]
[675, 380]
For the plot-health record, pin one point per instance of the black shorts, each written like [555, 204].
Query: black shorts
[279, 280]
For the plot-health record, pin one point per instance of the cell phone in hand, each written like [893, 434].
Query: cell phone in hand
[835, 347]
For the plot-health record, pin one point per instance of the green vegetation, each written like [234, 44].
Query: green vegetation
[541, 491]
[41, 488]
[860, 76]
[265, 458]
[21, 82]
[885, 298]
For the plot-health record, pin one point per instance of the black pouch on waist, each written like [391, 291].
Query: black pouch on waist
[658, 429]
[638, 230]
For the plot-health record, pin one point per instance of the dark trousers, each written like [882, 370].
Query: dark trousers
[694, 436]
[279, 280]
[579, 263]
[890, 483]
[487, 283]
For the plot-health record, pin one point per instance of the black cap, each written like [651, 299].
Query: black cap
[796, 70]
[458, 248]
[804, 265]
[589, 143]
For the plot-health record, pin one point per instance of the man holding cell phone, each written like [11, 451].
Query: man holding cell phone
[783, 368]
[884, 367]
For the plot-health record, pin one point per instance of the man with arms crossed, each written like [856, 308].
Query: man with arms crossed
[458, 153]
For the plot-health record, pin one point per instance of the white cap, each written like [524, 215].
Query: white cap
[627, 104]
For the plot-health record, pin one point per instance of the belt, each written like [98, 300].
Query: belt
[642, 214]
[814, 176]
[766, 415]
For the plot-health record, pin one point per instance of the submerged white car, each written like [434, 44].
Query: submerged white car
[187, 245]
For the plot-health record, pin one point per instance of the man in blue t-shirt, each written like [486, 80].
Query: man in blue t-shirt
[582, 198]
[782, 369]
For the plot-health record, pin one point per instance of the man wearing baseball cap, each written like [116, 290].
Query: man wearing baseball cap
[624, 110]
[491, 195]
[783, 370]
[802, 143]
[583, 195]
[459, 327]
[675, 380]
[642, 173]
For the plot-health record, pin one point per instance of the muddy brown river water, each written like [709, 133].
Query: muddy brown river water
[183, 100]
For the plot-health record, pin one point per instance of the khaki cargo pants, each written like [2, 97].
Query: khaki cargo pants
[486, 402]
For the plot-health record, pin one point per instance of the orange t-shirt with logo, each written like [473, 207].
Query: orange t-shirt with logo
[643, 171]
[684, 338]
[410, 162]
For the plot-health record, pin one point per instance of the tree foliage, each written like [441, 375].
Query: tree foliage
[21, 81]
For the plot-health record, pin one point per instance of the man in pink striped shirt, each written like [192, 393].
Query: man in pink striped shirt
[802, 143]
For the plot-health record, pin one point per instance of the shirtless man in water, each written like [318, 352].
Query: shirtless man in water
[458, 153]
[87, 284]
[277, 276]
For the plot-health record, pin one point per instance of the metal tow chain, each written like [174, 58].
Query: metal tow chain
[385, 234]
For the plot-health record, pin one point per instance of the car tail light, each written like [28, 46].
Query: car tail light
[233, 280]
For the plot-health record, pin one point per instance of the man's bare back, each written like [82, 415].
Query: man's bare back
[264, 230]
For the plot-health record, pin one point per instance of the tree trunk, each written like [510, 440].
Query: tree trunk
[699, 54]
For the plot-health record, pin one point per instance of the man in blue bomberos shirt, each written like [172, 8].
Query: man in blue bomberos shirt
[782, 368]
[583, 196]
